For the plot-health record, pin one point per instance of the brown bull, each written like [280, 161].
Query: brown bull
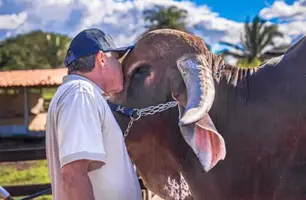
[260, 153]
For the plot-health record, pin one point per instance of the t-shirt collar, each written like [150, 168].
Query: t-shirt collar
[70, 77]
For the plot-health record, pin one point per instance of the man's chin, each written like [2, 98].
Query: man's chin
[115, 91]
[119, 89]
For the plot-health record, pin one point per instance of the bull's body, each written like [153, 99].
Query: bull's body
[262, 118]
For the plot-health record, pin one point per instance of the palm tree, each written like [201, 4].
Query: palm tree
[165, 17]
[170, 17]
[257, 37]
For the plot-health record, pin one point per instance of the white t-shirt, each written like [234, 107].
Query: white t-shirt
[80, 125]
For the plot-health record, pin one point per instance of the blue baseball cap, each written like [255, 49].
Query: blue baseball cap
[90, 41]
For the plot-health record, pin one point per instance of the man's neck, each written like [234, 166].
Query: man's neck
[91, 77]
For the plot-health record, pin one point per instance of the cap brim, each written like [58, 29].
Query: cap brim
[122, 50]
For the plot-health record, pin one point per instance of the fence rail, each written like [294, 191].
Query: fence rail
[38, 153]
[22, 154]
[25, 190]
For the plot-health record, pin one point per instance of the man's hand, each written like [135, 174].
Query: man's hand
[75, 181]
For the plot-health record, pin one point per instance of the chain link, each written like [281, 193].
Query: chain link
[128, 127]
[159, 108]
[150, 111]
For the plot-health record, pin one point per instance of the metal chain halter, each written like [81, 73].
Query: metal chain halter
[151, 110]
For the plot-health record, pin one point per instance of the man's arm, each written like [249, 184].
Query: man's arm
[80, 142]
[75, 181]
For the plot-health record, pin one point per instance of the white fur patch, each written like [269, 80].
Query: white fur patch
[178, 190]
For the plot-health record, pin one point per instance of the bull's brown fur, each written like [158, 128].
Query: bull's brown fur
[261, 114]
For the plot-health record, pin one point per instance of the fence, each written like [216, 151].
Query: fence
[27, 154]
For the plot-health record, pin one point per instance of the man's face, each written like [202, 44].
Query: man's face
[114, 72]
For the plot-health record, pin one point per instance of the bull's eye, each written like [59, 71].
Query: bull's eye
[141, 72]
[137, 79]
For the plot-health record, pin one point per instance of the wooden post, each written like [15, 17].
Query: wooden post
[26, 107]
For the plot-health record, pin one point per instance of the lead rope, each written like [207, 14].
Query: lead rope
[149, 111]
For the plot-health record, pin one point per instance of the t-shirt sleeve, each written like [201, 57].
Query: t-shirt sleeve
[80, 129]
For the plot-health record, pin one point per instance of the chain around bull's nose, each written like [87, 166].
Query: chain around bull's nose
[149, 111]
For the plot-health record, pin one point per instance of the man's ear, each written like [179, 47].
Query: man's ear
[100, 59]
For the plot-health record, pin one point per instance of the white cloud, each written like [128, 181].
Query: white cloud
[121, 19]
[12, 21]
[124, 22]
[46, 14]
[282, 10]
[291, 18]
[294, 28]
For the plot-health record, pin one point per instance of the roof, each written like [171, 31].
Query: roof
[32, 78]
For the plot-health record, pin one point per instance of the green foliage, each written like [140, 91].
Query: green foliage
[171, 17]
[48, 93]
[258, 35]
[161, 17]
[244, 63]
[33, 50]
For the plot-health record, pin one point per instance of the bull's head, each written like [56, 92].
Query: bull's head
[168, 65]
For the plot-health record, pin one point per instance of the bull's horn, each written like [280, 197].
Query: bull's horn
[197, 76]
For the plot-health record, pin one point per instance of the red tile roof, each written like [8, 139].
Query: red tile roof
[31, 78]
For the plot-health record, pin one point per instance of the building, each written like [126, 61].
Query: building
[22, 102]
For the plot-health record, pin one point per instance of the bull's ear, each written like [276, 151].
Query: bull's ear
[205, 141]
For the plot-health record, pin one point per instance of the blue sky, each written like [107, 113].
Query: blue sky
[215, 20]
[237, 10]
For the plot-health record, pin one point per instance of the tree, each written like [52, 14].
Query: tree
[33, 50]
[161, 17]
[170, 17]
[257, 37]
[57, 46]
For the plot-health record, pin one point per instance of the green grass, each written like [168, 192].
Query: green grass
[25, 173]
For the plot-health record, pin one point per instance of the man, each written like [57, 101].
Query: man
[86, 153]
